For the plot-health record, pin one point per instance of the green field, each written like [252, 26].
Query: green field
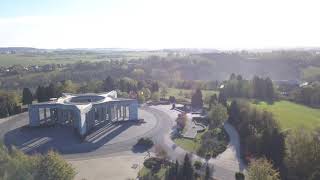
[26, 59]
[291, 115]
[185, 94]
[310, 72]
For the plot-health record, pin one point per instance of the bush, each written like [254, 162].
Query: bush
[197, 165]
[155, 97]
[153, 163]
[239, 176]
[146, 142]
[172, 99]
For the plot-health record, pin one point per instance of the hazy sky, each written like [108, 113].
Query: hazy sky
[221, 24]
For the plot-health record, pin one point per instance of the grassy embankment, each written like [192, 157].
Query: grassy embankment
[291, 115]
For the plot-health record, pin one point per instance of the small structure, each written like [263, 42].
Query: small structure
[83, 111]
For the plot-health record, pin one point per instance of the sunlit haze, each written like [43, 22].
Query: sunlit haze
[220, 24]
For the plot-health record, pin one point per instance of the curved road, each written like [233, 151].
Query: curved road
[225, 165]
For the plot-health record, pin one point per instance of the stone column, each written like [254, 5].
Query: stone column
[104, 113]
[117, 112]
[59, 116]
[34, 118]
[45, 114]
[82, 124]
[123, 112]
[133, 111]
[109, 112]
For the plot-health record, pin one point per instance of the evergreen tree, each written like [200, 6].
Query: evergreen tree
[154, 87]
[232, 76]
[27, 96]
[41, 94]
[196, 99]
[109, 84]
[213, 100]
[187, 169]
[53, 91]
[269, 90]
[207, 174]
[234, 112]
[222, 99]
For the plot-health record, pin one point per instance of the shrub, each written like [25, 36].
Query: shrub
[239, 176]
[182, 120]
[146, 142]
[172, 99]
[197, 165]
[153, 163]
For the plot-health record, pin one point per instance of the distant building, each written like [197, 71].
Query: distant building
[83, 111]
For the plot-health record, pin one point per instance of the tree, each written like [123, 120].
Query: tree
[239, 176]
[217, 116]
[187, 169]
[155, 97]
[182, 120]
[207, 173]
[27, 96]
[262, 169]
[302, 154]
[68, 87]
[269, 89]
[41, 94]
[109, 84]
[196, 99]
[232, 76]
[141, 98]
[154, 87]
[53, 91]
[15, 164]
[172, 99]
[213, 100]
[222, 99]
[53, 167]
[234, 112]
[146, 93]
[140, 85]
[164, 92]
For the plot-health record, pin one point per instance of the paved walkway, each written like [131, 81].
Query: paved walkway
[225, 165]
[125, 165]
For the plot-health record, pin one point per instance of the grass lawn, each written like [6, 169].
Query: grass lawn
[292, 115]
[144, 171]
[185, 94]
[191, 145]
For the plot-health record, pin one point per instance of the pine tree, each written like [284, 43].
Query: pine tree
[234, 112]
[207, 175]
[196, 99]
[109, 84]
[187, 169]
[213, 100]
[222, 99]
[27, 96]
